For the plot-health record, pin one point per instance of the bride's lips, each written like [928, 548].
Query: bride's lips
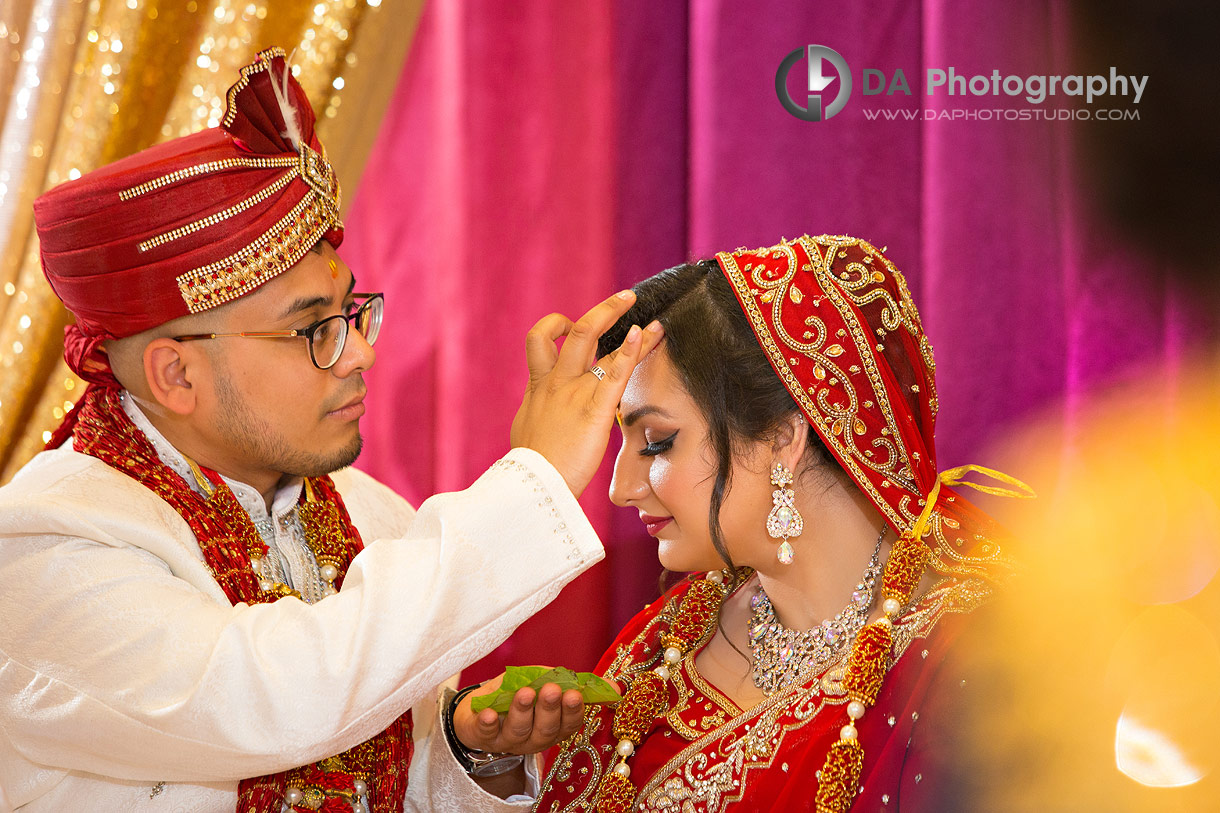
[654, 524]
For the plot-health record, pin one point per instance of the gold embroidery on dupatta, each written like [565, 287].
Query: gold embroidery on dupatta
[560, 775]
[839, 424]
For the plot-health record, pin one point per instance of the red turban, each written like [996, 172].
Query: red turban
[192, 223]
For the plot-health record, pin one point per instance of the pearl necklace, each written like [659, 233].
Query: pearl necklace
[780, 654]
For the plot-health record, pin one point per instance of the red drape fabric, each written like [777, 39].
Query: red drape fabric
[539, 155]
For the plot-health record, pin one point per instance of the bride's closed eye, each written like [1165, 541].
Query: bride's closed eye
[657, 447]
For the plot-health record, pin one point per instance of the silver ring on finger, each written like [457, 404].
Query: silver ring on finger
[598, 371]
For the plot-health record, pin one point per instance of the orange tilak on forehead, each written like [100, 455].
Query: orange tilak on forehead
[334, 270]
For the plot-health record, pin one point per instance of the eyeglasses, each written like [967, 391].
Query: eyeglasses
[326, 337]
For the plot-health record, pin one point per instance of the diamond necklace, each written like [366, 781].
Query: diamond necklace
[780, 654]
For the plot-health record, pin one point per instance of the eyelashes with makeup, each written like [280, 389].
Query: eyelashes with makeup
[658, 446]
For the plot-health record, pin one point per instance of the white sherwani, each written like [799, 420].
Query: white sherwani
[128, 682]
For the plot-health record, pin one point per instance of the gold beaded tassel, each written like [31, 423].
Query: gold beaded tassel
[648, 694]
[643, 703]
[324, 535]
[866, 667]
[870, 656]
[869, 659]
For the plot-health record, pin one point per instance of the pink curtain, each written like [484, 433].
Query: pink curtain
[537, 156]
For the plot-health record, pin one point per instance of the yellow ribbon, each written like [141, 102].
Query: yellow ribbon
[203, 481]
[953, 477]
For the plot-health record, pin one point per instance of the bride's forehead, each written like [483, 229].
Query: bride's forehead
[654, 381]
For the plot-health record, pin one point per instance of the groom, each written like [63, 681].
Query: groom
[201, 607]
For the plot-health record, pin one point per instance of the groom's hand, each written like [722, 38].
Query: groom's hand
[528, 728]
[568, 411]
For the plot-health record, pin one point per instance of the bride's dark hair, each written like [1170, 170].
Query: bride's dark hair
[721, 365]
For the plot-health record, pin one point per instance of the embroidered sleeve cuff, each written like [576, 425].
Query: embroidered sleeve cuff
[570, 522]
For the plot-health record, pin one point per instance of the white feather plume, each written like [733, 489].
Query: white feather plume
[292, 126]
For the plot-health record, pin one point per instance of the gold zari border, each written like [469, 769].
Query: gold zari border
[280, 248]
[834, 425]
[262, 63]
[221, 216]
[204, 169]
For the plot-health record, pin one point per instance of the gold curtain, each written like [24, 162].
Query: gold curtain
[85, 82]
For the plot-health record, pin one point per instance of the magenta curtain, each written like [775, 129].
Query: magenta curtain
[539, 155]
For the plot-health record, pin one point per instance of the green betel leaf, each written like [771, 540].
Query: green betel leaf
[499, 701]
[591, 687]
[517, 677]
[563, 678]
[595, 690]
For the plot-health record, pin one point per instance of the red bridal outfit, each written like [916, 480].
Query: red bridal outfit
[871, 730]
[706, 754]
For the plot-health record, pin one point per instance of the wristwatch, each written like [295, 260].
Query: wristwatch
[476, 763]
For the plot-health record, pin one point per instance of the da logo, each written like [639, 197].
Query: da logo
[817, 82]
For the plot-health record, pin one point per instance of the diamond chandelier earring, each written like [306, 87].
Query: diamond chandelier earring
[784, 521]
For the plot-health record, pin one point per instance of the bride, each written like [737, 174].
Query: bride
[779, 447]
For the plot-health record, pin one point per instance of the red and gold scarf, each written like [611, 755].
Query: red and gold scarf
[228, 538]
[836, 321]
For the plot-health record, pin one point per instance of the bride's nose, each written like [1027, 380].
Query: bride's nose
[630, 480]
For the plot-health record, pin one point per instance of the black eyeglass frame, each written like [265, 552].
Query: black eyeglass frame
[307, 332]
